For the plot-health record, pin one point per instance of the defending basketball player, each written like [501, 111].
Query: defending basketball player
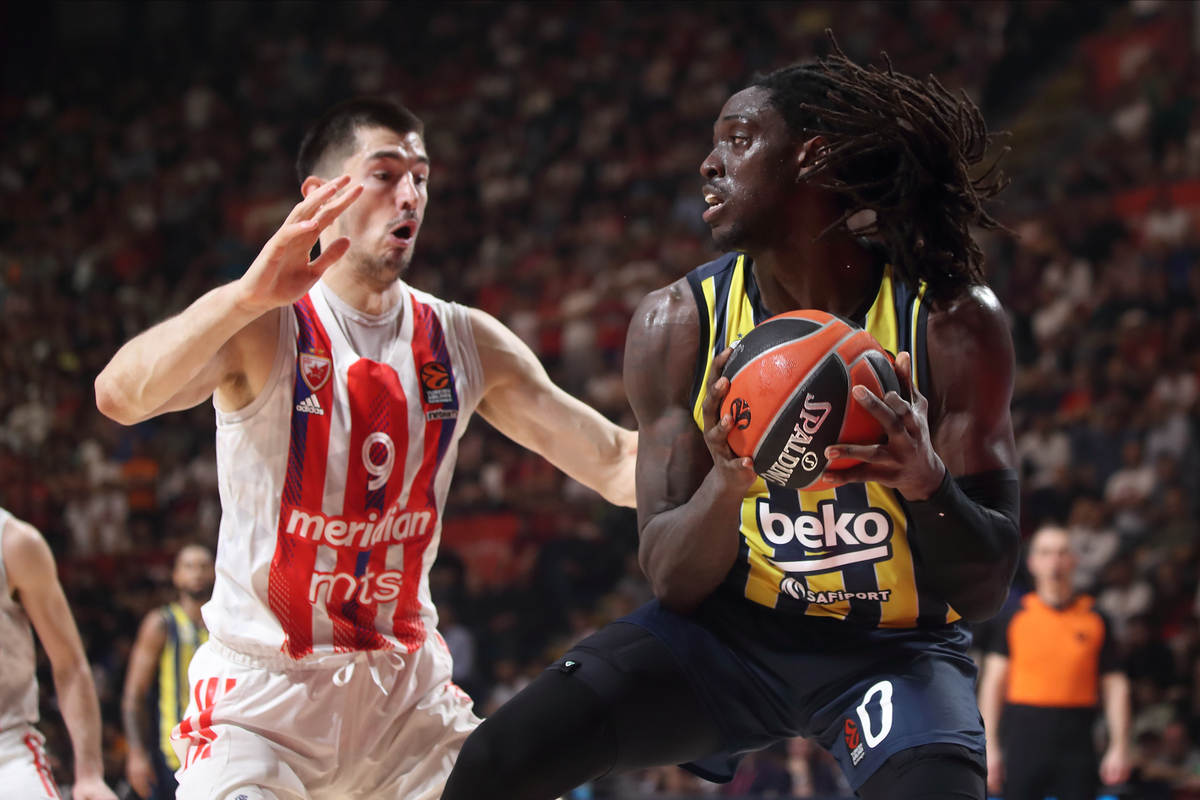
[340, 395]
[32, 599]
[837, 614]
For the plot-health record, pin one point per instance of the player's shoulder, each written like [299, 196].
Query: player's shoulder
[973, 316]
[437, 304]
[679, 301]
[27, 556]
[970, 350]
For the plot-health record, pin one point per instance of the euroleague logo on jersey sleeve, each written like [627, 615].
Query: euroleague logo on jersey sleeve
[437, 387]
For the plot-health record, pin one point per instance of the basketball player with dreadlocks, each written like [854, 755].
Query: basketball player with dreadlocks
[869, 659]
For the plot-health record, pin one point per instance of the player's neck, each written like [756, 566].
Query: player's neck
[834, 275]
[361, 292]
[1056, 595]
[191, 607]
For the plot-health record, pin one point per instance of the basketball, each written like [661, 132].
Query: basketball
[789, 395]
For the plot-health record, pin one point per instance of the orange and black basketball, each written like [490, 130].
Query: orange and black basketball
[789, 394]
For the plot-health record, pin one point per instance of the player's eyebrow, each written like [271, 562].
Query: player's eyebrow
[736, 117]
[394, 154]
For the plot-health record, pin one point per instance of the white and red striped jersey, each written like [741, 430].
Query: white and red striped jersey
[18, 660]
[334, 480]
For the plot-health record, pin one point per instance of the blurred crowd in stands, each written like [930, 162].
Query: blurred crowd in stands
[144, 161]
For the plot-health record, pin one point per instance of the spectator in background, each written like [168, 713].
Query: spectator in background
[1095, 543]
[1175, 759]
[461, 644]
[140, 476]
[1051, 661]
[1147, 657]
[1128, 489]
[1043, 452]
[509, 680]
[1123, 597]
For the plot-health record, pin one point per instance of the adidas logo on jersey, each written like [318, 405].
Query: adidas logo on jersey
[309, 405]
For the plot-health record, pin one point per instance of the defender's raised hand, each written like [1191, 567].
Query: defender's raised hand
[283, 273]
[907, 462]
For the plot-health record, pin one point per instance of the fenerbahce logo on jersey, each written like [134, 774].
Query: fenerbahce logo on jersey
[824, 541]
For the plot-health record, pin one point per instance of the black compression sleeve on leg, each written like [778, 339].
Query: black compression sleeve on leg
[967, 535]
[553, 736]
[929, 772]
[618, 701]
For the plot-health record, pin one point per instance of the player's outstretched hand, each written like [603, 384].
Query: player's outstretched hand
[91, 789]
[907, 462]
[282, 273]
[737, 473]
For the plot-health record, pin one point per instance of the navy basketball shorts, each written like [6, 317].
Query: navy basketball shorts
[864, 694]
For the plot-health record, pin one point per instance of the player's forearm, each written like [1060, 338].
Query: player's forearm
[1116, 709]
[577, 439]
[81, 712]
[134, 719]
[686, 552]
[968, 538]
[153, 366]
[990, 708]
[609, 469]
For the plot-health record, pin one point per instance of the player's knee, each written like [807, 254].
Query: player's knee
[489, 760]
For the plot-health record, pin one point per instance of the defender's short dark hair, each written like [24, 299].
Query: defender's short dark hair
[336, 129]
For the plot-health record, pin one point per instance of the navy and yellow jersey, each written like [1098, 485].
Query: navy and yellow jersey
[183, 638]
[842, 553]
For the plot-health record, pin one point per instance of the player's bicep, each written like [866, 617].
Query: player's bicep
[672, 462]
[660, 359]
[519, 398]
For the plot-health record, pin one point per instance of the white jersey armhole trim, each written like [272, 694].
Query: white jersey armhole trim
[470, 353]
[283, 350]
[5, 516]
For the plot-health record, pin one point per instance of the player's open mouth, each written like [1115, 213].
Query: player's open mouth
[402, 235]
[715, 203]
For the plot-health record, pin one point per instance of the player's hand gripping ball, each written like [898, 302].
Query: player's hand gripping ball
[789, 395]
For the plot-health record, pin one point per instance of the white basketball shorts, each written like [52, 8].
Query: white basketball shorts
[367, 726]
[24, 769]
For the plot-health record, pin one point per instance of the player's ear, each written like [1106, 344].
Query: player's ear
[806, 153]
[311, 183]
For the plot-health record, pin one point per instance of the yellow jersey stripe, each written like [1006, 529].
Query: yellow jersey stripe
[916, 316]
[881, 319]
[710, 299]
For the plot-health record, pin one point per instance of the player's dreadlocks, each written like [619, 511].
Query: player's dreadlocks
[902, 148]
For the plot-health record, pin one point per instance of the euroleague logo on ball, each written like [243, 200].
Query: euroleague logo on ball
[740, 410]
